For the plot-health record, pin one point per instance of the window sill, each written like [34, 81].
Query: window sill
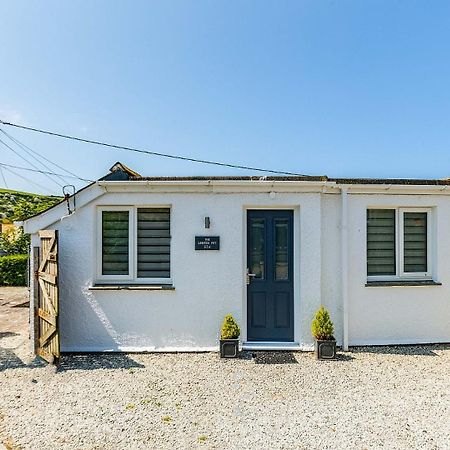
[403, 283]
[132, 287]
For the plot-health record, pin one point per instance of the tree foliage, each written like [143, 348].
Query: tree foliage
[230, 329]
[322, 327]
[14, 241]
[16, 205]
[25, 209]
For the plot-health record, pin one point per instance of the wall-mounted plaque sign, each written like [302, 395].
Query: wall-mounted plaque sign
[207, 242]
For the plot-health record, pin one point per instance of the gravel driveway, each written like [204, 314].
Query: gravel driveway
[385, 397]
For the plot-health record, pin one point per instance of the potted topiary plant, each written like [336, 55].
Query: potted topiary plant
[229, 338]
[322, 329]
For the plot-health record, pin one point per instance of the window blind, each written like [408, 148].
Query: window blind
[381, 242]
[415, 241]
[115, 251]
[153, 246]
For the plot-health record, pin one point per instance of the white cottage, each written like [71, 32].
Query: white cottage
[155, 263]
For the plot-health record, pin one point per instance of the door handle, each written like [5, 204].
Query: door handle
[249, 276]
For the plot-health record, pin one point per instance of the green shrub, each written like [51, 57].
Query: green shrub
[230, 329]
[13, 270]
[14, 242]
[322, 327]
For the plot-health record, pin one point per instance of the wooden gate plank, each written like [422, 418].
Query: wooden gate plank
[47, 344]
[51, 319]
[45, 256]
[47, 277]
[47, 335]
[48, 303]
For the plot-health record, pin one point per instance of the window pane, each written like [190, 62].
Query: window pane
[153, 248]
[257, 247]
[115, 252]
[415, 241]
[381, 242]
[281, 249]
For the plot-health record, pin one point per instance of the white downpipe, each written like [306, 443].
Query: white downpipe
[344, 263]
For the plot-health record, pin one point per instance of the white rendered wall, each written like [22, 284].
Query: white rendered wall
[399, 315]
[331, 261]
[208, 284]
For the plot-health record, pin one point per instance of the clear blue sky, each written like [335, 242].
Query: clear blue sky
[343, 88]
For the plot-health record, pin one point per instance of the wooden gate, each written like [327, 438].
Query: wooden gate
[46, 323]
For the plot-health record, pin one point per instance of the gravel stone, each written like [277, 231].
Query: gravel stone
[370, 398]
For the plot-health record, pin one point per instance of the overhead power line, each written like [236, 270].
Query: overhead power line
[6, 166]
[24, 146]
[26, 179]
[3, 176]
[30, 153]
[148, 152]
[29, 162]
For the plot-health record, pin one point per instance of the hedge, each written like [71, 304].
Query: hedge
[13, 270]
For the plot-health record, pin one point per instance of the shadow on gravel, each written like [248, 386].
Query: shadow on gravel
[22, 305]
[95, 361]
[9, 360]
[274, 358]
[341, 357]
[414, 350]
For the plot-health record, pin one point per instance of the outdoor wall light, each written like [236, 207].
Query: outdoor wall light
[207, 222]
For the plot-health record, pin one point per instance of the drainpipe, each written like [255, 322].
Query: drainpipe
[344, 265]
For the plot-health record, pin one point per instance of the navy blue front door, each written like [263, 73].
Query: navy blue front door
[270, 286]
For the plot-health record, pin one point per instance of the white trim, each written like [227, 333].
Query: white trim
[132, 277]
[395, 341]
[415, 275]
[133, 349]
[59, 211]
[99, 253]
[271, 346]
[344, 263]
[296, 264]
[399, 246]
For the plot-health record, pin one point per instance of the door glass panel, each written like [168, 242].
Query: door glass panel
[257, 247]
[281, 249]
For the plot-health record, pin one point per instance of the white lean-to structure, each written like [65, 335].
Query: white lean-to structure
[154, 264]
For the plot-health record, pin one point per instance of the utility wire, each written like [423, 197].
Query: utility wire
[27, 179]
[21, 144]
[148, 152]
[3, 176]
[43, 172]
[30, 163]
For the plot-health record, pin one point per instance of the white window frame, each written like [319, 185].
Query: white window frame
[415, 275]
[132, 277]
[400, 274]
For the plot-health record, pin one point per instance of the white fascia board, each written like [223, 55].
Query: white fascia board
[248, 186]
[53, 215]
[216, 186]
[396, 189]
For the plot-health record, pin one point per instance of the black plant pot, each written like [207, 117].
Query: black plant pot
[229, 348]
[325, 349]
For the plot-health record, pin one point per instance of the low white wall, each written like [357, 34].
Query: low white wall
[208, 284]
